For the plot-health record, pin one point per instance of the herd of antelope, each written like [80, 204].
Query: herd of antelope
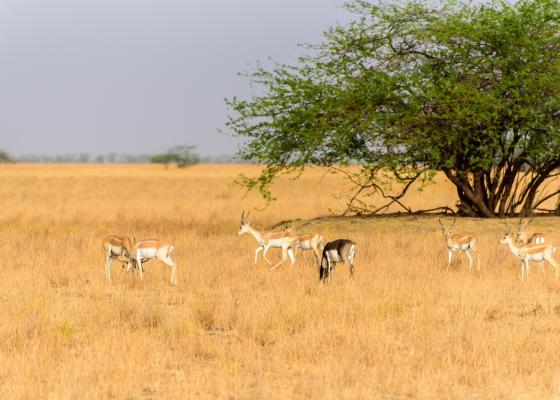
[525, 247]
[133, 254]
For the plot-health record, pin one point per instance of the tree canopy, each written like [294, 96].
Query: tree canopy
[405, 91]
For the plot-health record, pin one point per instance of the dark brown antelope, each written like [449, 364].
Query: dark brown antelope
[337, 251]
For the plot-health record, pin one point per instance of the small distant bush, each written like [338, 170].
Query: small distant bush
[183, 156]
[5, 157]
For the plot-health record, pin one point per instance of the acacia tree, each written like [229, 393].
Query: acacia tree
[470, 90]
[5, 157]
[183, 156]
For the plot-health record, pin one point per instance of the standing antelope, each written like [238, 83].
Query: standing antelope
[535, 238]
[145, 250]
[521, 237]
[531, 252]
[461, 241]
[285, 240]
[118, 248]
[309, 242]
[337, 251]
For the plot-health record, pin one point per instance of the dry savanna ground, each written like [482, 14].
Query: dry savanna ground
[404, 328]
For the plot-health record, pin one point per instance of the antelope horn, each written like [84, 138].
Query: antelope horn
[454, 220]
[440, 223]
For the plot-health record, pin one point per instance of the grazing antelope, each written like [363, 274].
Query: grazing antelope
[118, 248]
[309, 242]
[145, 250]
[461, 241]
[521, 237]
[531, 252]
[337, 251]
[287, 241]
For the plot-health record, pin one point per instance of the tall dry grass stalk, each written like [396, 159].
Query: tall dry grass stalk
[404, 328]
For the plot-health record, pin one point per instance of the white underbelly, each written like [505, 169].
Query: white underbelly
[305, 246]
[455, 249]
[116, 251]
[275, 243]
[146, 253]
[535, 257]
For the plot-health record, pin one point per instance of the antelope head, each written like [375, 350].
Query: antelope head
[521, 235]
[447, 232]
[244, 227]
[506, 239]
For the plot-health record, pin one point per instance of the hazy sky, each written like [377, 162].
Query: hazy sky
[138, 76]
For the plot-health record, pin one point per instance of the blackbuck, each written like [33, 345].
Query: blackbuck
[285, 240]
[117, 248]
[149, 249]
[337, 251]
[531, 252]
[523, 238]
[459, 242]
[309, 242]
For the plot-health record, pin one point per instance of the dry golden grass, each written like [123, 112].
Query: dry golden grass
[404, 328]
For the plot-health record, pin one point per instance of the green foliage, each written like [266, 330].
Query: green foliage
[183, 156]
[5, 157]
[472, 90]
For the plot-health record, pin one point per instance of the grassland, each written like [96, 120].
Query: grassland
[404, 328]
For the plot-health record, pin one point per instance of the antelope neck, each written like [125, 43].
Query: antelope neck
[513, 248]
[256, 234]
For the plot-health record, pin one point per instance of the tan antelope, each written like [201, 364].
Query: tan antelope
[337, 251]
[459, 242]
[285, 240]
[522, 236]
[309, 242]
[149, 249]
[531, 252]
[117, 248]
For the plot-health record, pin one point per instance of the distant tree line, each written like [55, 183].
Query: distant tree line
[181, 156]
